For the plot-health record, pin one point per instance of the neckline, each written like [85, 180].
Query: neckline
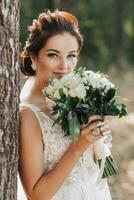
[38, 109]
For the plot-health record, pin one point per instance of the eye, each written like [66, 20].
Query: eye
[52, 55]
[72, 56]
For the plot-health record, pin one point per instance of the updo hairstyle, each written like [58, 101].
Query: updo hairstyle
[47, 25]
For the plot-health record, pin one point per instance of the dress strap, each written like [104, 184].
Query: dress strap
[35, 111]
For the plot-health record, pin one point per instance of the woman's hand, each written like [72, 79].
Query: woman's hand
[106, 132]
[93, 131]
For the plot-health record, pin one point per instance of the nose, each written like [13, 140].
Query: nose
[63, 66]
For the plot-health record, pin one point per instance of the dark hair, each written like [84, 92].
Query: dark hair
[47, 25]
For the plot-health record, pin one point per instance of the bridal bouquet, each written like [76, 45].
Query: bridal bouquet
[78, 95]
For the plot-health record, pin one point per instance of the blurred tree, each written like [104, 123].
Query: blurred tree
[9, 98]
[107, 26]
[70, 5]
[29, 11]
[50, 4]
[97, 25]
[129, 30]
[25, 19]
[120, 60]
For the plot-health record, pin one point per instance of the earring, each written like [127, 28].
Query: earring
[33, 67]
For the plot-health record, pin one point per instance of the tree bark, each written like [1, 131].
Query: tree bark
[9, 98]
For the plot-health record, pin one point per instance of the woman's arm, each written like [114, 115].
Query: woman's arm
[37, 184]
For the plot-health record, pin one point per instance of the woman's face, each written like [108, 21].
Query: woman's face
[58, 57]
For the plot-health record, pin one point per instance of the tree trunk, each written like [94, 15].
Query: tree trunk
[9, 98]
[70, 5]
[120, 60]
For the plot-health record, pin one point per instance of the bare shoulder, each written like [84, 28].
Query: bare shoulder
[26, 113]
[29, 124]
[30, 150]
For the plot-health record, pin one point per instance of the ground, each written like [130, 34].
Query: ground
[122, 185]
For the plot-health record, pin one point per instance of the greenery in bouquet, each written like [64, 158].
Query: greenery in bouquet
[80, 94]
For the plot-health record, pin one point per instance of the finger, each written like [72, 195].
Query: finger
[91, 127]
[100, 124]
[96, 132]
[94, 118]
[82, 126]
[106, 122]
[108, 139]
[104, 127]
[97, 137]
[106, 133]
[94, 137]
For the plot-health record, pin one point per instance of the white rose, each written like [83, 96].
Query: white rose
[65, 90]
[81, 91]
[50, 89]
[50, 102]
[87, 72]
[78, 91]
[66, 78]
[57, 85]
[56, 94]
[74, 81]
[72, 92]
[112, 85]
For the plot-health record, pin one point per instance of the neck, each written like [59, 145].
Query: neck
[36, 90]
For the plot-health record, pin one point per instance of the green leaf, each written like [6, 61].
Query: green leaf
[123, 111]
[82, 106]
[74, 125]
[65, 125]
[61, 93]
[110, 94]
[83, 118]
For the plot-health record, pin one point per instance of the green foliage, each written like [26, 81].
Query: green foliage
[129, 30]
[29, 11]
[74, 110]
[110, 167]
[97, 24]
[74, 125]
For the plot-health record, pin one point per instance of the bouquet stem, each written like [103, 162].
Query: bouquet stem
[110, 167]
[105, 160]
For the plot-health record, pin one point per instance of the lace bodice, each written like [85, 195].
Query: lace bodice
[55, 144]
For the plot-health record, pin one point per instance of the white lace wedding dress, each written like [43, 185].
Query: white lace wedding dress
[81, 183]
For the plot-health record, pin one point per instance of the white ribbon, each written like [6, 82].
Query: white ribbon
[101, 151]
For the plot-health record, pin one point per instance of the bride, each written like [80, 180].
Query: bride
[50, 166]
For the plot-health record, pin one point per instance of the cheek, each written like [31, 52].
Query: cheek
[74, 61]
[47, 64]
[72, 64]
[71, 68]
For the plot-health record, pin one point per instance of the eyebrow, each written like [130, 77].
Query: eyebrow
[74, 51]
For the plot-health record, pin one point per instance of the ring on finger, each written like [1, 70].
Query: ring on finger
[96, 132]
